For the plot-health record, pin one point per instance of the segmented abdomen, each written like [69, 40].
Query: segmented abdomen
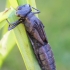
[47, 58]
[43, 54]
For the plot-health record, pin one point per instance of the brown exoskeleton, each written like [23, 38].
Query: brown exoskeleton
[36, 33]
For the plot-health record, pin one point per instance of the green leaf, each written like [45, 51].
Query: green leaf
[21, 38]
[6, 45]
[4, 16]
[2, 24]
[7, 4]
[7, 42]
[14, 3]
[5, 28]
[21, 2]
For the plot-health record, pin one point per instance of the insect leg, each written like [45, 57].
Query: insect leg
[37, 11]
[13, 25]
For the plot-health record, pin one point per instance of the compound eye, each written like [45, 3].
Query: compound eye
[28, 5]
[19, 8]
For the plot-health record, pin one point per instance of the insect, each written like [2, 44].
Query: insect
[37, 36]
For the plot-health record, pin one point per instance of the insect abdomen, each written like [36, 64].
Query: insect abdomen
[46, 58]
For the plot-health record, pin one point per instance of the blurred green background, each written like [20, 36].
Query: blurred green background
[55, 15]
